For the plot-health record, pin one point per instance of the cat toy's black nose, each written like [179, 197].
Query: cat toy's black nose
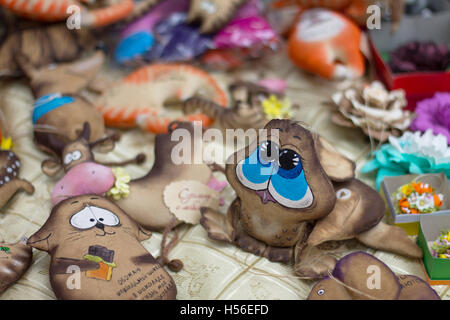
[99, 225]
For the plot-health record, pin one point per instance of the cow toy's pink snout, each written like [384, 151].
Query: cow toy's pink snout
[85, 178]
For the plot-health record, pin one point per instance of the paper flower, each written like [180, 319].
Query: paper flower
[434, 114]
[441, 247]
[6, 143]
[420, 56]
[411, 153]
[378, 112]
[121, 188]
[277, 109]
[417, 197]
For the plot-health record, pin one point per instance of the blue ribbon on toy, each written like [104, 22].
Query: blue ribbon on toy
[48, 103]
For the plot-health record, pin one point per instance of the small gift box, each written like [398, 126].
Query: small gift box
[437, 269]
[418, 85]
[410, 221]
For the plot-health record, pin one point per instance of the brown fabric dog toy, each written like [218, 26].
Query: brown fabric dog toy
[294, 192]
[361, 276]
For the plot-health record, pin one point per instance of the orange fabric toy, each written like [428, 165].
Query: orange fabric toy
[59, 10]
[354, 9]
[328, 44]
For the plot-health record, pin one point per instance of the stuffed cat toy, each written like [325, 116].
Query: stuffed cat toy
[96, 253]
[296, 193]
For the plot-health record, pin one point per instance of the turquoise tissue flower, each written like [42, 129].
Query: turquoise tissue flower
[412, 153]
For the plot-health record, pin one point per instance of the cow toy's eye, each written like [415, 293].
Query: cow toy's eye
[76, 155]
[321, 292]
[68, 159]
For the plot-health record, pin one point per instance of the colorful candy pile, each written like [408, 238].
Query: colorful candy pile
[416, 198]
[441, 247]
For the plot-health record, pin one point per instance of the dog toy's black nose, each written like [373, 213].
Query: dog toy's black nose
[99, 225]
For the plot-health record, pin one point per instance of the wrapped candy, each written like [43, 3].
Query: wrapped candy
[378, 112]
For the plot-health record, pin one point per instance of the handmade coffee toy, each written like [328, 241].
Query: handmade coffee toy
[41, 45]
[15, 259]
[140, 98]
[213, 14]
[327, 43]
[61, 10]
[60, 110]
[83, 174]
[246, 110]
[96, 253]
[361, 276]
[295, 194]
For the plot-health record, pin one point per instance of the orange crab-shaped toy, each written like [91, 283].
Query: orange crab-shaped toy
[59, 10]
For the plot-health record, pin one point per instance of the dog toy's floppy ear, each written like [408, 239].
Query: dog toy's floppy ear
[358, 208]
[337, 167]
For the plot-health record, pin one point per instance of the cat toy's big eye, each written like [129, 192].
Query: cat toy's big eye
[90, 216]
[83, 219]
[105, 216]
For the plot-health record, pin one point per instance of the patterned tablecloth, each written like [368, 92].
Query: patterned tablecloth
[212, 270]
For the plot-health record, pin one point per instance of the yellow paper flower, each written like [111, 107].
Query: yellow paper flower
[407, 189]
[6, 143]
[276, 109]
[121, 189]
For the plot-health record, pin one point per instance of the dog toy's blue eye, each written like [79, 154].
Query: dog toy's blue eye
[255, 171]
[290, 165]
[288, 185]
[268, 153]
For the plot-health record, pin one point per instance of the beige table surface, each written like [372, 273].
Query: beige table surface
[212, 270]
